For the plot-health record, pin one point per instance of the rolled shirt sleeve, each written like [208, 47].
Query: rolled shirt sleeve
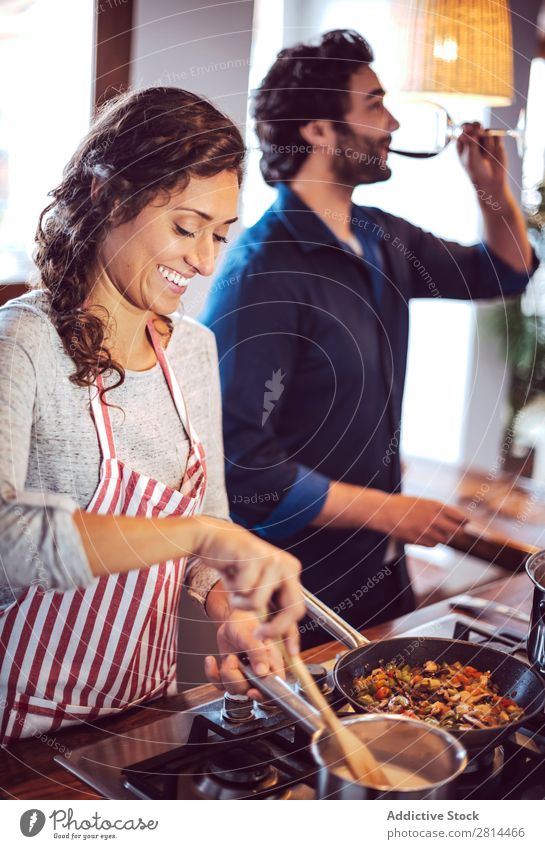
[499, 278]
[303, 501]
[40, 544]
[199, 580]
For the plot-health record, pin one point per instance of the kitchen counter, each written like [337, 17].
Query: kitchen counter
[28, 769]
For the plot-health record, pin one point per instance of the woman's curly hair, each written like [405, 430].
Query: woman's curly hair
[306, 83]
[141, 144]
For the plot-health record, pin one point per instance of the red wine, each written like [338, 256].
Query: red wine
[414, 155]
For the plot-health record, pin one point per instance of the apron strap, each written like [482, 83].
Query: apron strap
[101, 413]
[103, 423]
[173, 384]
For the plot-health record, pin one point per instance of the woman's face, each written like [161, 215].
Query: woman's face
[151, 259]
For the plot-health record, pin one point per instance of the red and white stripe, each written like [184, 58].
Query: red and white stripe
[76, 655]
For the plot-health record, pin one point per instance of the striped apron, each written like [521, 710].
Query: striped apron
[73, 656]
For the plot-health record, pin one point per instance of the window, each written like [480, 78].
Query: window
[46, 55]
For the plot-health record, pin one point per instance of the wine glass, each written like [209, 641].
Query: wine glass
[426, 129]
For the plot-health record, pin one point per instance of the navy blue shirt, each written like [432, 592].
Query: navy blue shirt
[312, 342]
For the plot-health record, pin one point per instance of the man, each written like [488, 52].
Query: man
[310, 313]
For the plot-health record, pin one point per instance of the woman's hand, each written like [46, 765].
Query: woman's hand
[238, 634]
[253, 572]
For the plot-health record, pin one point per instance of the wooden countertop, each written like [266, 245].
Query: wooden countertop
[506, 513]
[28, 769]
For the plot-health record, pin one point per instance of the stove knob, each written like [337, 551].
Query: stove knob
[237, 708]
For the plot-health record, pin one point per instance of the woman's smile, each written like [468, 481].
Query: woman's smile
[176, 282]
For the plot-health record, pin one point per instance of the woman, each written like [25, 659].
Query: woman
[111, 435]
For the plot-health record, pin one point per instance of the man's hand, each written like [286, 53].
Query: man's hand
[238, 634]
[485, 160]
[420, 521]
[483, 156]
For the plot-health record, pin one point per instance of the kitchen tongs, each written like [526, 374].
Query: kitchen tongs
[359, 760]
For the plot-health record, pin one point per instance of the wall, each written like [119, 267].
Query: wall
[206, 50]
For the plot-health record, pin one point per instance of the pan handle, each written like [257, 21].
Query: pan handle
[332, 622]
[281, 693]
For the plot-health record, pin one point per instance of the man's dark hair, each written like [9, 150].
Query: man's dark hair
[307, 82]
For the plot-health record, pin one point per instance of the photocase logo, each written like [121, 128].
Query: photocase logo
[32, 822]
[274, 388]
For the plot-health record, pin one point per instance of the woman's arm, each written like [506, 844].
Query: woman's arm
[252, 570]
[123, 543]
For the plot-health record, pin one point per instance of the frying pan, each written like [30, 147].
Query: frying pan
[514, 678]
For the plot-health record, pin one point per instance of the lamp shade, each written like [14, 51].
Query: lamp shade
[457, 47]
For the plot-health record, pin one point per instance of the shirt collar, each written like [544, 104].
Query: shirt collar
[308, 230]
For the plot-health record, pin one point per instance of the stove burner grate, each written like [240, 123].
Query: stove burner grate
[216, 763]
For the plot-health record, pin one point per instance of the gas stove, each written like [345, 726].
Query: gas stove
[231, 748]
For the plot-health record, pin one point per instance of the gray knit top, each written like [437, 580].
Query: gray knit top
[49, 451]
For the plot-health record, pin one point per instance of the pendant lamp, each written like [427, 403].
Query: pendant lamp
[456, 47]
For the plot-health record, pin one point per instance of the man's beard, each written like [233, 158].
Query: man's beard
[359, 161]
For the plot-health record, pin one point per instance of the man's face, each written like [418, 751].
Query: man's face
[364, 138]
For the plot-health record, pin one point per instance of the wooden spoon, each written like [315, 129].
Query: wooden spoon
[360, 761]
